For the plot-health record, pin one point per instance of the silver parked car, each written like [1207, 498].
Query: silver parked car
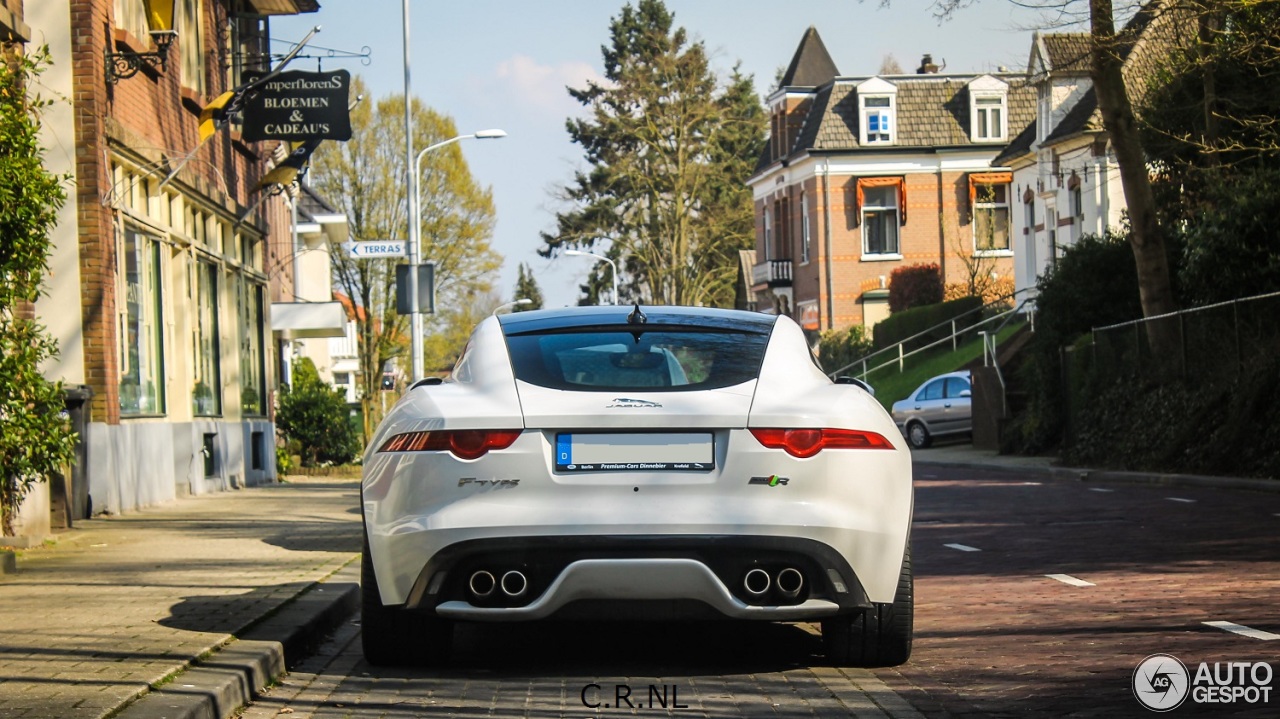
[941, 406]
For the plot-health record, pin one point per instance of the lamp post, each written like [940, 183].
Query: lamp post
[510, 305]
[612, 265]
[415, 219]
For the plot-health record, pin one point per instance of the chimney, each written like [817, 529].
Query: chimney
[926, 65]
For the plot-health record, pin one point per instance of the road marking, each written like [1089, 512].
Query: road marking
[1068, 579]
[1100, 489]
[1180, 499]
[1244, 631]
[1032, 484]
[963, 547]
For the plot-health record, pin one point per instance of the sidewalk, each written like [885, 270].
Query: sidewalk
[120, 605]
[964, 454]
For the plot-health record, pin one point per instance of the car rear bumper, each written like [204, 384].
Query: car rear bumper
[571, 575]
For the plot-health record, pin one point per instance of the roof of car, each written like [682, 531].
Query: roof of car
[564, 317]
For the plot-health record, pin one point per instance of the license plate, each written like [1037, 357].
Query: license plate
[635, 452]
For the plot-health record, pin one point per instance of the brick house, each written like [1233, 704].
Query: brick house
[865, 174]
[158, 295]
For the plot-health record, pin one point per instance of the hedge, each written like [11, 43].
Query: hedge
[901, 325]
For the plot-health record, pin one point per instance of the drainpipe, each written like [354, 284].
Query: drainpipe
[826, 238]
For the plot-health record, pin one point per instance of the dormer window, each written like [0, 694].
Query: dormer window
[879, 125]
[988, 110]
[989, 118]
[877, 100]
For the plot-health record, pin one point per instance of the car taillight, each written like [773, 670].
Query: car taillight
[463, 443]
[808, 442]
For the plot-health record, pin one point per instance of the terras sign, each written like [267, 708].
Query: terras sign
[299, 106]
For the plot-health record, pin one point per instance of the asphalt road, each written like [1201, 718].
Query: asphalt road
[1136, 571]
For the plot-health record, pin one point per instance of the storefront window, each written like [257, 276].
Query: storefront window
[206, 393]
[252, 390]
[142, 371]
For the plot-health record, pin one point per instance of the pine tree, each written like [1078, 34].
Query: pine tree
[669, 153]
[527, 288]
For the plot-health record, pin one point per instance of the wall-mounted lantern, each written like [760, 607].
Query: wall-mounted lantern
[160, 17]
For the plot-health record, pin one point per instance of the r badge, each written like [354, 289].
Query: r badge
[772, 481]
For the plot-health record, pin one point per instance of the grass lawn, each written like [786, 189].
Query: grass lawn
[891, 385]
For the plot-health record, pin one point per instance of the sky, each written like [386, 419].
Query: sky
[506, 63]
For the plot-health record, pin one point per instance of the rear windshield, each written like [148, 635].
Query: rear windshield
[672, 359]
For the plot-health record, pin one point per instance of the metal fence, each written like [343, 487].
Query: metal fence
[1207, 343]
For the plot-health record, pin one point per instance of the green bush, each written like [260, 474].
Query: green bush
[1186, 427]
[35, 437]
[840, 348]
[915, 286]
[1094, 283]
[901, 325]
[315, 415]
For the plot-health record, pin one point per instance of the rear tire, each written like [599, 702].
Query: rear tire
[393, 636]
[876, 637]
[918, 435]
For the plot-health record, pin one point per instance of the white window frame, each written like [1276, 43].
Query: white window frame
[993, 207]
[896, 253]
[982, 91]
[878, 98]
[985, 127]
[768, 234]
[804, 229]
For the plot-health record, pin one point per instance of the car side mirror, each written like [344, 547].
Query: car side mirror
[966, 393]
[845, 379]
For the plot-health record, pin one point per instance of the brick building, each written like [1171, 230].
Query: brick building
[159, 291]
[865, 174]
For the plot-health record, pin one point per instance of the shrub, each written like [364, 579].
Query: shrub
[1094, 283]
[35, 437]
[915, 286]
[840, 348]
[315, 415]
[901, 325]
[991, 291]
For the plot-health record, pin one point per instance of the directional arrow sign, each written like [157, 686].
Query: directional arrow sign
[375, 248]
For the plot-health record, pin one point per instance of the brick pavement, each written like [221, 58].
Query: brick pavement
[122, 603]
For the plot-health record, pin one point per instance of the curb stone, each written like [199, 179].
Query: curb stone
[219, 685]
[1118, 477]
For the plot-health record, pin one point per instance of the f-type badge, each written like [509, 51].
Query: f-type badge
[771, 481]
[631, 403]
[488, 482]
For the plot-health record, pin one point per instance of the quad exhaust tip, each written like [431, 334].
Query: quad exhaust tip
[514, 583]
[790, 582]
[482, 584]
[756, 582]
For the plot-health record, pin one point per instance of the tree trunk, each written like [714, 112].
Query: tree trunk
[1147, 238]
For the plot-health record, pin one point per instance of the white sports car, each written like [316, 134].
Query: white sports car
[656, 462]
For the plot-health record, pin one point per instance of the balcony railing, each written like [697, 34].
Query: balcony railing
[774, 273]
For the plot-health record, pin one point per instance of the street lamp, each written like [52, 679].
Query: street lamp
[580, 253]
[160, 16]
[514, 303]
[415, 231]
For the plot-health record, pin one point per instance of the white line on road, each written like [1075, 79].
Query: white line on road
[1068, 579]
[1180, 499]
[1244, 631]
[1032, 484]
[1100, 489]
[963, 547]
